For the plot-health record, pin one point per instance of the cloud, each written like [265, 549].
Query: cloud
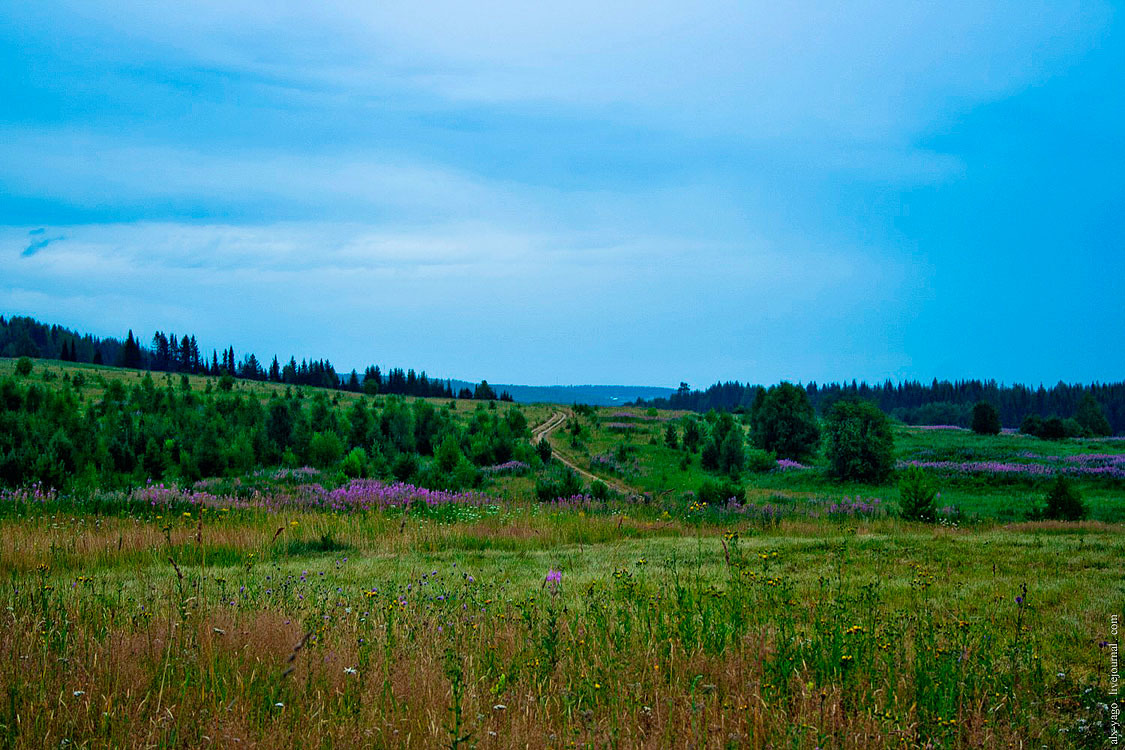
[38, 244]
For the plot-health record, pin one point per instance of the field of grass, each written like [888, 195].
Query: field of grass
[300, 609]
[257, 629]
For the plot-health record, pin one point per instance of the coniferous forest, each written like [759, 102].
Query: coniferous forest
[939, 402]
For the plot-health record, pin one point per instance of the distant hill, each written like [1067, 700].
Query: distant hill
[595, 395]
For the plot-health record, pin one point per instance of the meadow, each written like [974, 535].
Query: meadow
[295, 606]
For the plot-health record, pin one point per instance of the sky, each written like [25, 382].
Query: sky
[632, 192]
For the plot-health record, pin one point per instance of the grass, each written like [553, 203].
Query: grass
[422, 631]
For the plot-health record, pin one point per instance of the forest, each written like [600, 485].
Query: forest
[939, 402]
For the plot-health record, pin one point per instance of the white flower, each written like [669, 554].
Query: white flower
[279, 704]
[349, 670]
[499, 707]
[79, 692]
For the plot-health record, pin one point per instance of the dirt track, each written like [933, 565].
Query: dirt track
[556, 420]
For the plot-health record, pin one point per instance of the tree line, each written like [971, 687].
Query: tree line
[71, 435]
[27, 337]
[914, 402]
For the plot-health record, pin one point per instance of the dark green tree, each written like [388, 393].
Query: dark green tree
[859, 442]
[784, 422]
[986, 419]
[916, 496]
[1064, 501]
[732, 457]
[1091, 417]
[484, 392]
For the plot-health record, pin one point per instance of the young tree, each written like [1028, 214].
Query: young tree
[986, 419]
[671, 439]
[917, 496]
[859, 442]
[732, 458]
[783, 421]
[1064, 502]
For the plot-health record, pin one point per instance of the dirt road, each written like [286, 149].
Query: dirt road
[557, 420]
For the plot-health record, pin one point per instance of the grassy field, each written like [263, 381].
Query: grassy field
[294, 629]
[234, 614]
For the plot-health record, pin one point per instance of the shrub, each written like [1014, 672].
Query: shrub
[325, 449]
[354, 464]
[1064, 501]
[718, 492]
[23, 366]
[1032, 425]
[543, 450]
[1057, 429]
[405, 467]
[563, 483]
[783, 421]
[448, 454]
[916, 496]
[859, 443]
[986, 419]
[760, 461]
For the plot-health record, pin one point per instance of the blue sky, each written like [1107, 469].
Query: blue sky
[639, 193]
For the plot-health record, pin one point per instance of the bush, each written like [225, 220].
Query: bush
[563, 483]
[986, 419]
[1032, 425]
[1057, 429]
[354, 464]
[859, 443]
[718, 492]
[543, 450]
[23, 366]
[325, 449]
[916, 496]
[759, 461]
[783, 421]
[1064, 502]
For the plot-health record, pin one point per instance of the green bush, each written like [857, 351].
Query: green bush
[759, 461]
[1032, 425]
[23, 366]
[916, 496]
[354, 464]
[1057, 429]
[1064, 501]
[325, 449]
[859, 442]
[717, 492]
[986, 419]
[562, 482]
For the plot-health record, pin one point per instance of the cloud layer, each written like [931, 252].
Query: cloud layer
[641, 193]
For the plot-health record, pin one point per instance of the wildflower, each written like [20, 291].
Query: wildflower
[279, 704]
[349, 670]
[78, 693]
[499, 707]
